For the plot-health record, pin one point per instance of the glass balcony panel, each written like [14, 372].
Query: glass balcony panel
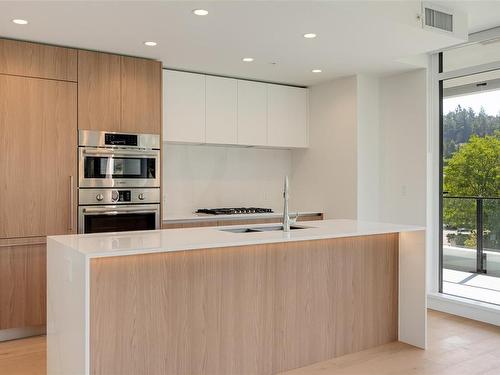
[459, 234]
[491, 236]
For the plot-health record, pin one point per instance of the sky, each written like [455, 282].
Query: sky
[490, 100]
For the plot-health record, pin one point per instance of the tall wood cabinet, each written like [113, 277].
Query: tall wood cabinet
[118, 93]
[38, 131]
[46, 94]
[37, 60]
[38, 144]
[141, 95]
[99, 91]
[23, 285]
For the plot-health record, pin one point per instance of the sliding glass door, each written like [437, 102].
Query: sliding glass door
[470, 186]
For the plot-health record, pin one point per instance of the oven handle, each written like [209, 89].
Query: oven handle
[117, 211]
[71, 203]
[120, 152]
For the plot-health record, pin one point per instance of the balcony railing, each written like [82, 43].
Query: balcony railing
[471, 234]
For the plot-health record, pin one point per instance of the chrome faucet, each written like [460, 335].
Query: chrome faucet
[286, 217]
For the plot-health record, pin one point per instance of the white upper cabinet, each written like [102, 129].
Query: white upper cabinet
[287, 116]
[183, 107]
[206, 109]
[252, 113]
[221, 110]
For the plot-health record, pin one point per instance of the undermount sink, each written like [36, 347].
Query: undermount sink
[240, 230]
[261, 229]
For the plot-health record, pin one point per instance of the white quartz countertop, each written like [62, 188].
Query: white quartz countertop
[206, 217]
[167, 240]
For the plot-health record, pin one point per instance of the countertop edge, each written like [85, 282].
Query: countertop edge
[396, 228]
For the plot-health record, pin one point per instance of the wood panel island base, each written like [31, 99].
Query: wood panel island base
[205, 301]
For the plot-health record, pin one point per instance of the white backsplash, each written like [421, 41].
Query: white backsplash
[212, 176]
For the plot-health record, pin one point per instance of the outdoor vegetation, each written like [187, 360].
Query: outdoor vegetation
[471, 157]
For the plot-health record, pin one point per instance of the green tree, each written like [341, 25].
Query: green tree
[474, 169]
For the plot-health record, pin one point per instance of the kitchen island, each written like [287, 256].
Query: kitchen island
[211, 301]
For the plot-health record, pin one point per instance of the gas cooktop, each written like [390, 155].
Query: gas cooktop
[234, 211]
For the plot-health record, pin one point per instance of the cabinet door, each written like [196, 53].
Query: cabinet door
[252, 113]
[38, 133]
[141, 95]
[183, 107]
[99, 106]
[37, 60]
[287, 116]
[22, 286]
[221, 110]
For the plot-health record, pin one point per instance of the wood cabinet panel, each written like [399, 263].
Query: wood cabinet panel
[184, 107]
[22, 286]
[99, 91]
[17, 241]
[38, 132]
[37, 60]
[333, 297]
[214, 223]
[140, 95]
[221, 110]
[242, 310]
[210, 223]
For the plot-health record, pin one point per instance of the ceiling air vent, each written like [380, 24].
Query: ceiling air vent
[439, 20]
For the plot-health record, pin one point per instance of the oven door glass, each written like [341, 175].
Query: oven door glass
[98, 167]
[110, 168]
[119, 222]
[113, 218]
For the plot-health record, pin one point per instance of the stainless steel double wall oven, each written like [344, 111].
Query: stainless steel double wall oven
[118, 181]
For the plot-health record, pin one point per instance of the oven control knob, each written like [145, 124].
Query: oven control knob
[99, 197]
[141, 196]
[114, 195]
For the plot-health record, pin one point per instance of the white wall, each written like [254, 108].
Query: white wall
[403, 147]
[368, 148]
[368, 153]
[211, 176]
[325, 175]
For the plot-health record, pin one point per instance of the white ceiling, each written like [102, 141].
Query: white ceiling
[353, 36]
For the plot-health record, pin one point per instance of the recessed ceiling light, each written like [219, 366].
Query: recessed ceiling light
[150, 44]
[20, 21]
[247, 59]
[200, 12]
[309, 35]
[316, 70]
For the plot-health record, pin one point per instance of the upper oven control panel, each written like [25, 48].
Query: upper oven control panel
[118, 196]
[93, 138]
[116, 139]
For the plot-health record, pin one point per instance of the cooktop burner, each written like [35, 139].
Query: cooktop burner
[234, 210]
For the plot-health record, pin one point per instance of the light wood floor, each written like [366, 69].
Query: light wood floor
[456, 346]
